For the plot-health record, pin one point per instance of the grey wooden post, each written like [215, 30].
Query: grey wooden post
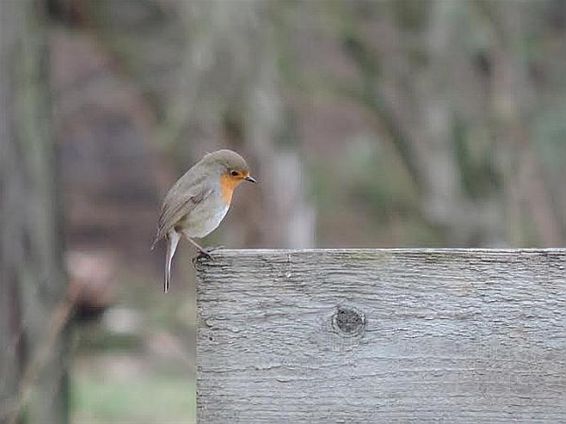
[371, 336]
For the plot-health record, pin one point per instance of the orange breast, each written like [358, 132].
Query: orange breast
[227, 186]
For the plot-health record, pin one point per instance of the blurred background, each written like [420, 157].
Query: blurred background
[407, 123]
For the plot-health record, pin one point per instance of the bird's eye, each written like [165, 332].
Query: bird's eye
[234, 173]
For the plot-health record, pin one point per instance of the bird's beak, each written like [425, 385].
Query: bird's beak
[250, 179]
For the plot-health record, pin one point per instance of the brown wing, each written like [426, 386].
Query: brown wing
[175, 206]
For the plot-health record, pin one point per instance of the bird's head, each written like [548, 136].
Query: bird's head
[230, 165]
[232, 168]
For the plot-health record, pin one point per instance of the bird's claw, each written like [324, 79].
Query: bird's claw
[206, 254]
[200, 256]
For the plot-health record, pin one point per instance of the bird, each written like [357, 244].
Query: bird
[199, 200]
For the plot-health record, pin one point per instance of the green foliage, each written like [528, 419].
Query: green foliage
[146, 398]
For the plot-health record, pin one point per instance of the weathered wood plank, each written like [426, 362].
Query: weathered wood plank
[359, 336]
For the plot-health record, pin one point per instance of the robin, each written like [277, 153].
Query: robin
[198, 201]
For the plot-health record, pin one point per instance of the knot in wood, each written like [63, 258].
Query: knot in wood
[349, 321]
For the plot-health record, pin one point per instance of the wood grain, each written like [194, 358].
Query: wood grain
[368, 336]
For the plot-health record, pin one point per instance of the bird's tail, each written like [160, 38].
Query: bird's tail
[172, 241]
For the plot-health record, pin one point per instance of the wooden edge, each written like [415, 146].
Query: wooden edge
[466, 251]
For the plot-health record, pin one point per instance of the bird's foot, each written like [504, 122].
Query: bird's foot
[206, 253]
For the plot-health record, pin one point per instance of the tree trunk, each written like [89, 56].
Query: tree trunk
[33, 285]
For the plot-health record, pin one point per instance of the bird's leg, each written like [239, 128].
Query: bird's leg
[202, 250]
